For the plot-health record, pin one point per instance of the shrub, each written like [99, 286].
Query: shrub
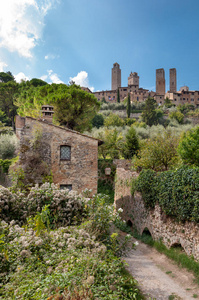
[8, 146]
[177, 192]
[60, 264]
[131, 145]
[189, 147]
[158, 153]
[177, 115]
[113, 120]
[66, 207]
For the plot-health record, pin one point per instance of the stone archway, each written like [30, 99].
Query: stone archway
[146, 231]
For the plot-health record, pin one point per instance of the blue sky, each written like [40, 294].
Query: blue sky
[59, 40]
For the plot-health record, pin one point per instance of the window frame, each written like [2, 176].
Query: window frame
[65, 159]
[66, 186]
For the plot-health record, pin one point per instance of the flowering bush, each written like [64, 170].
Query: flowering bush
[41, 261]
[64, 262]
[66, 207]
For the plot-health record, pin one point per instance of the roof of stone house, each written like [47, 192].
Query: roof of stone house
[100, 142]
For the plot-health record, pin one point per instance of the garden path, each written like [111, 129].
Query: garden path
[159, 277]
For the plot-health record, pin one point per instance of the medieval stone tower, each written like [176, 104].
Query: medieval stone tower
[116, 76]
[160, 82]
[173, 84]
[133, 79]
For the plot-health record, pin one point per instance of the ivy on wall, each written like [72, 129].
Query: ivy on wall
[177, 192]
[5, 164]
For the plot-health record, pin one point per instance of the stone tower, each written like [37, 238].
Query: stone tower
[116, 76]
[160, 82]
[173, 85]
[133, 79]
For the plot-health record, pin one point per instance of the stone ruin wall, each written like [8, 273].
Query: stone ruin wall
[160, 226]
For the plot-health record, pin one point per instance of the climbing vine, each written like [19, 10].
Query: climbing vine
[177, 192]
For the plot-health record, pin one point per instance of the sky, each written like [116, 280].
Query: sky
[80, 40]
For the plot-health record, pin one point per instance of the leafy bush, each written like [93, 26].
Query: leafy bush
[189, 147]
[5, 164]
[177, 115]
[59, 263]
[113, 106]
[8, 146]
[66, 207]
[65, 263]
[158, 153]
[177, 192]
[98, 120]
[113, 120]
[131, 145]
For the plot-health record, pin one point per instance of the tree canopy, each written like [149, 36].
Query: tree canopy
[73, 107]
[131, 145]
[8, 92]
[158, 153]
[6, 77]
[151, 115]
[189, 147]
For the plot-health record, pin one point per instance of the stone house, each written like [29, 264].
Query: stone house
[71, 157]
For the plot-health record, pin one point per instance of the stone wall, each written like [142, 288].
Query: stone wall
[160, 226]
[80, 171]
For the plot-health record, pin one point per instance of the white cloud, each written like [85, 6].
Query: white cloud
[52, 77]
[82, 80]
[51, 56]
[21, 76]
[2, 66]
[22, 22]
[44, 77]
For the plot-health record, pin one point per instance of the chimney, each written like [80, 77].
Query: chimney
[47, 113]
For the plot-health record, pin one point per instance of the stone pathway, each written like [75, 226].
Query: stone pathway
[158, 277]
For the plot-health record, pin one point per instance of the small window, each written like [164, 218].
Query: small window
[66, 186]
[65, 152]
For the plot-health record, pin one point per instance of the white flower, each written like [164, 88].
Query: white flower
[136, 243]
[120, 210]
[39, 242]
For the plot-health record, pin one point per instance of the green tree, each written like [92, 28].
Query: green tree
[6, 77]
[149, 115]
[188, 147]
[113, 120]
[159, 153]
[167, 103]
[8, 92]
[98, 120]
[131, 145]
[103, 100]
[37, 82]
[74, 108]
[128, 108]
[112, 143]
[118, 96]
[177, 115]
[185, 108]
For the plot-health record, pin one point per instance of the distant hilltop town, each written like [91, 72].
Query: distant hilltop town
[140, 94]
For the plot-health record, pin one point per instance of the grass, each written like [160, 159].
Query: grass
[106, 188]
[175, 254]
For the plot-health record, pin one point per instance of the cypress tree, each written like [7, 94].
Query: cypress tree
[128, 108]
[118, 96]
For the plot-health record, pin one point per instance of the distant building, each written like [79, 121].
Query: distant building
[116, 76]
[140, 94]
